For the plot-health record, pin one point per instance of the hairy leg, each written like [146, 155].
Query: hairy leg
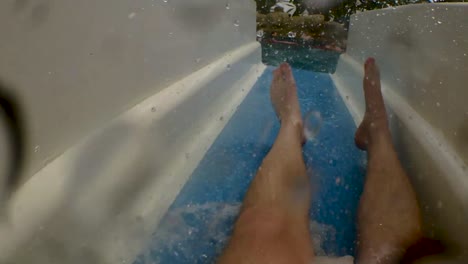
[273, 223]
[389, 218]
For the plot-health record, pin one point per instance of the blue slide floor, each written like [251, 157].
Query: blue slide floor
[200, 221]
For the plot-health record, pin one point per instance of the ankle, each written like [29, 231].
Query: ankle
[295, 125]
[380, 139]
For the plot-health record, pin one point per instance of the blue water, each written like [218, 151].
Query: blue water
[300, 57]
[199, 222]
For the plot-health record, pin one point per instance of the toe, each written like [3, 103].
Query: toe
[369, 61]
[277, 75]
[371, 70]
[285, 67]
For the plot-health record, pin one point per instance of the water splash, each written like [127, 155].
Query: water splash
[198, 233]
[260, 33]
[312, 124]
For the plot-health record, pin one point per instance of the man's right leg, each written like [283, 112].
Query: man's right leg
[389, 219]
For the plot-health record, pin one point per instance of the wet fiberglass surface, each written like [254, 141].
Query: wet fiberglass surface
[200, 221]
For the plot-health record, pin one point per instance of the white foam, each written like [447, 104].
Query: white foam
[211, 224]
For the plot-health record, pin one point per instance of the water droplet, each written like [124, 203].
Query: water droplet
[260, 33]
[228, 6]
[221, 118]
[276, 52]
[291, 34]
[254, 155]
[153, 109]
[131, 15]
[236, 23]
[312, 124]
[165, 1]
[197, 60]
[438, 104]
[37, 148]
[440, 204]
[439, 22]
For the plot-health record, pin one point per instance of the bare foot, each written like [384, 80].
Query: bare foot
[375, 122]
[283, 94]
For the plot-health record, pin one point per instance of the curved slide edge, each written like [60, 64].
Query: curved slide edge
[102, 199]
[437, 171]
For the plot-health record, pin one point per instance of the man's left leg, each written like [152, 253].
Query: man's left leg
[273, 226]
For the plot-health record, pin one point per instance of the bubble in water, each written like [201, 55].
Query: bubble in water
[291, 34]
[236, 23]
[337, 180]
[440, 204]
[131, 15]
[312, 124]
[276, 52]
[228, 6]
[438, 104]
[260, 33]
[228, 67]
[37, 148]
[165, 1]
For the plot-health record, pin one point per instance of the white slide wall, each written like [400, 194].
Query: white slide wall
[121, 99]
[422, 51]
[75, 64]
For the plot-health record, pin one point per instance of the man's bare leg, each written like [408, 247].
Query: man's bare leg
[273, 223]
[389, 220]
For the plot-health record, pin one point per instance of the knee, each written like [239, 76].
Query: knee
[261, 222]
